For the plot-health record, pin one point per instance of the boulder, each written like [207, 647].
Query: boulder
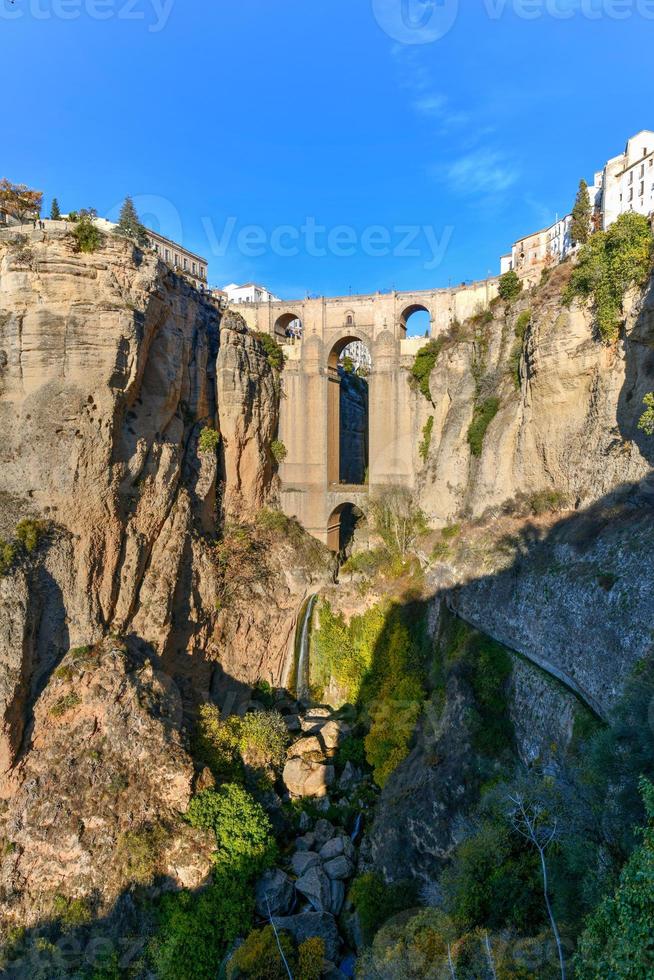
[350, 777]
[303, 777]
[337, 891]
[336, 847]
[339, 867]
[305, 925]
[311, 745]
[277, 888]
[323, 831]
[306, 842]
[332, 733]
[315, 886]
[292, 723]
[302, 861]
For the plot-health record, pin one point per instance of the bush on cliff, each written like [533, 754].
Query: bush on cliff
[86, 233]
[483, 415]
[510, 286]
[424, 364]
[619, 938]
[609, 264]
[271, 349]
[646, 421]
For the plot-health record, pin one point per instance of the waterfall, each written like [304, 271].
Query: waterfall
[302, 637]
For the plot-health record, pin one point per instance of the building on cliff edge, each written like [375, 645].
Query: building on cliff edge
[626, 183]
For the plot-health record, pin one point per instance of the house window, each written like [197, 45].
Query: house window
[642, 188]
[167, 254]
[631, 194]
[195, 268]
[631, 176]
[185, 263]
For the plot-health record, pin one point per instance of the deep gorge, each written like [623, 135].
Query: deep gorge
[167, 786]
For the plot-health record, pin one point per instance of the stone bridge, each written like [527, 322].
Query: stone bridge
[310, 422]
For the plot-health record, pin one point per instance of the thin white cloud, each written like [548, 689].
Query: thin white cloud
[484, 171]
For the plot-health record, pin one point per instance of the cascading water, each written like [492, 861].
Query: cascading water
[302, 638]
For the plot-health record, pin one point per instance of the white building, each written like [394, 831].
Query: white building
[359, 354]
[544, 247]
[627, 181]
[251, 292]
[625, 184]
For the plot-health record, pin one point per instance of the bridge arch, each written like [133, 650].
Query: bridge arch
[421, 317]
[288, 325]
[343, 522]
[340, 471]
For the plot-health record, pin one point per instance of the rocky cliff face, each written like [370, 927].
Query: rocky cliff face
[110, 367]
[568, 405]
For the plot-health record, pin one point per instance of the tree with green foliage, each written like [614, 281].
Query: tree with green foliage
[646, 421]
[619, 937]
[271, 349]
[86, 233]
[129, 225]
[55, 213]
[510, 286]
[609, 264]
[241, 826]
[581, 215]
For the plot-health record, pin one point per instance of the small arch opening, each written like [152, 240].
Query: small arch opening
[288, 327]
[416, 321]
[344, 523]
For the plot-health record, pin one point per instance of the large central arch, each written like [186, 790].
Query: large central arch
[334, 434]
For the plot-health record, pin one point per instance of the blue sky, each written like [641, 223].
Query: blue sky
[217, 116]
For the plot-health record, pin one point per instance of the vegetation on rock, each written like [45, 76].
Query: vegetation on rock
[278, 450]
[510, 286]
[424, 364]
[483, 415]
[646, 421]
[425, 443]
[19, 200]
[271, 349]
[209, 440]
[130, 226]
[87, 235]
[609, 264]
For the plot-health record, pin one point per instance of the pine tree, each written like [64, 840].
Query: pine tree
[129, 225]
[55, 213]
[581, 215]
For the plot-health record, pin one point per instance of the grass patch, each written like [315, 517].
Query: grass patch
[483, 415]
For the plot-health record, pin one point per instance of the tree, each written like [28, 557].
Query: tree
[55, 213]
[19, 200]
[581, 215]
[86, 233]
[129, 225]
[618, 937]
[646, 422]
[532, 821]
[398, 519]
[510, 286]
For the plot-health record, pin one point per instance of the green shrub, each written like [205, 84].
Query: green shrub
[72, 912]
[29, 532]
[87, 235]
[618, 940]
[451, 531]
[195, 930]
[521, 324]
[259, 958]
[609, 264]
[427, 430]
[393, 719]
[424, 364]
[510, 286]
[138, 853]
[311, 956]
[367, 562]
[241, 826]
[646, 422]
[278, 450]
[64, 704]
[375, 901]
[272, 520]
[273, 352]
[8, 552]
[351, 749]
[397, 519]
[209, 440]
[215, 743]
[264, 694]
[263, 738]
[483, 415]
[493, 881]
